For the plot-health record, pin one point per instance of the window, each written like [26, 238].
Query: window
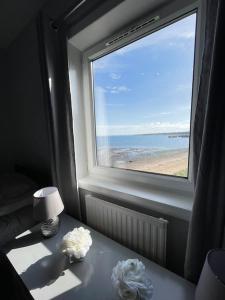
[142, 96]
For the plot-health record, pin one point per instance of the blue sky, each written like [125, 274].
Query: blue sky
[146, 86]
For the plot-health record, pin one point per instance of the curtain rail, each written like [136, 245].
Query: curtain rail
[58, 22]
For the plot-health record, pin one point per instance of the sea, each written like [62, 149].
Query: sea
[157, 142]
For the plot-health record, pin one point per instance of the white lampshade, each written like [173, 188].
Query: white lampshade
[211, 285]
[47, 203]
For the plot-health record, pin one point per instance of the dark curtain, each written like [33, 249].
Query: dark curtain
[54, 63]
[54, 23]
[208, 215]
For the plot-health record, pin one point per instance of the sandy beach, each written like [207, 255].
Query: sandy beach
[169, 162]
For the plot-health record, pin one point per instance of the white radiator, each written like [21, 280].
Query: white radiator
[142, 233]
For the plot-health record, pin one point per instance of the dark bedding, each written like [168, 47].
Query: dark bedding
[16, 191]
[15, 223]
[16, 205]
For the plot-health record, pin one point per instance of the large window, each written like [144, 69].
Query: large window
[142, 95]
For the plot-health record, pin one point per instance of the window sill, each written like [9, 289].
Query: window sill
[176, 204]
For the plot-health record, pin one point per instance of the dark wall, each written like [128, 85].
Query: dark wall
[24, 138]
[31, 149]
[176, 234]
[6, 137]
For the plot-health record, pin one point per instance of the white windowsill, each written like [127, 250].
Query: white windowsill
[176, 204]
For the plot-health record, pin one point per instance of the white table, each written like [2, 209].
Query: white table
[40, 266]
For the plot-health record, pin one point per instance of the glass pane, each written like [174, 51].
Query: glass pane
[143, 95]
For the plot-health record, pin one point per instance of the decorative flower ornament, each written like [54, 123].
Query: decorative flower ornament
[76, 243]
[131, 281]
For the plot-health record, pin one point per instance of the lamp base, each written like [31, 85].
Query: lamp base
[50, 227]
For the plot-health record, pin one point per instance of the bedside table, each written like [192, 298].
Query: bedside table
[42, 268]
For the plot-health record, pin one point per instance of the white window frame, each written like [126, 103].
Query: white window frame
[122, 175]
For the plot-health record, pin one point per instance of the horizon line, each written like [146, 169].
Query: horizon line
[156, 133]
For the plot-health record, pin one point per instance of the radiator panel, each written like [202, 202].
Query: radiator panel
[142, 233]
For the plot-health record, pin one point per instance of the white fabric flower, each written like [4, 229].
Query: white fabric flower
[76, 243]
[131, 281]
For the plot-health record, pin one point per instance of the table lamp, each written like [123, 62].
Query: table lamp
[211, 285]
[47, 205]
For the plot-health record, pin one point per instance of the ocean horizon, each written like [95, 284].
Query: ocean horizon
[157, 142]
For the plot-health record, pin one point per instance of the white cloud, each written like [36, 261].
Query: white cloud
[178, 110]
[159, 114]
[123, 88]
[165, 113]
[115, 76]
[144, 128]
[187, 34]
[118, 89]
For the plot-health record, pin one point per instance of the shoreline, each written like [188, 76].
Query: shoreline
[168, 162]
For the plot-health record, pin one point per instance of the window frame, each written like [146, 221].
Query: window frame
[123, 175]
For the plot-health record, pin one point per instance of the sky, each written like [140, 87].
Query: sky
[146, 86]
